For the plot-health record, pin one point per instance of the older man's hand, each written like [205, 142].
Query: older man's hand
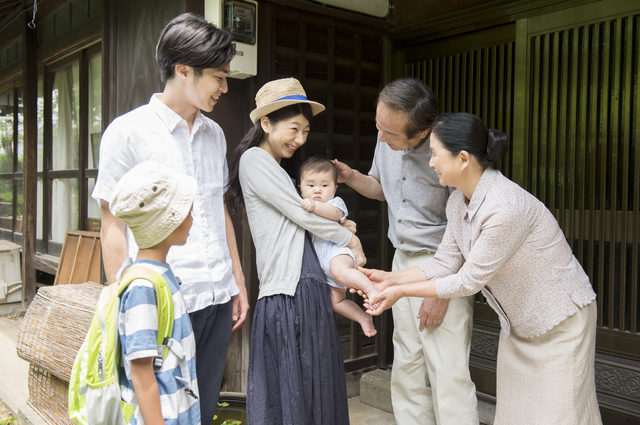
[432, 312]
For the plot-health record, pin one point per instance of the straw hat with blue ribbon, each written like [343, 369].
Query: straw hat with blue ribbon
[280, 93]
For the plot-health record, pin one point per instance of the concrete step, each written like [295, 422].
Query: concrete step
[375, 391]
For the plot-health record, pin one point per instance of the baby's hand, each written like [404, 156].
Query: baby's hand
[309, 204]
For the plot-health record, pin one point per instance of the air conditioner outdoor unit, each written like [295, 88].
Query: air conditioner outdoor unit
[241, 18]
[10, 273]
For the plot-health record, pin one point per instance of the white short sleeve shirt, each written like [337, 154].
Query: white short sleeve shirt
[155, 132]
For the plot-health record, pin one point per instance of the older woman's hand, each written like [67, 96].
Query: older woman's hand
[383, 301]
[380, 278]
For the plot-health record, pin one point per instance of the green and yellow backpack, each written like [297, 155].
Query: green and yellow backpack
[94, 388]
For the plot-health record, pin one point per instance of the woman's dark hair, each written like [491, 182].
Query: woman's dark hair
[466, 132]
[416, 100]
[188, 39]
[255, 135]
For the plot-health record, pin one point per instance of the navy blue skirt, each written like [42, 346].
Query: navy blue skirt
[296, 371]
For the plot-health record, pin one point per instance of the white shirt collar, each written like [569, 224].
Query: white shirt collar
[169, 117]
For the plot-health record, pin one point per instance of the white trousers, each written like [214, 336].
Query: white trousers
[430, 379]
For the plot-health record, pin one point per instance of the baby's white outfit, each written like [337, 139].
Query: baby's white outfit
[328, 250]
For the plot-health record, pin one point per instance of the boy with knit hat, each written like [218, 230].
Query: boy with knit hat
[155, 203]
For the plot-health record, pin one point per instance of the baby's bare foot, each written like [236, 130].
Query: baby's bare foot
[373, 292]
[366, 322]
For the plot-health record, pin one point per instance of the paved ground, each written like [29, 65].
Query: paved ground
[14, 391]
[14, 373]
[361, 414]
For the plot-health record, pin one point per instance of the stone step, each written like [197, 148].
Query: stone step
[375, 391]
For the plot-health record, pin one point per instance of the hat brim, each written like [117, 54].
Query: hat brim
[260, 112]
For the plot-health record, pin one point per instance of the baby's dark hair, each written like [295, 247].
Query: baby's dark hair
[319, 165]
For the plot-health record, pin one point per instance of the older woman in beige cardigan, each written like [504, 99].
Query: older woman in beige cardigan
[504, 242]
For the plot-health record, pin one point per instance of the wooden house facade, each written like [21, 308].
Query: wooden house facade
[560, 77]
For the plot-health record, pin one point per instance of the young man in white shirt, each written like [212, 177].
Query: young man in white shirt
[193, 56]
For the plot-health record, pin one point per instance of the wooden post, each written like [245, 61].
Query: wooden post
[30, 175]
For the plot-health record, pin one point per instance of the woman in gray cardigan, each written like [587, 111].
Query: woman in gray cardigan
[296, 371]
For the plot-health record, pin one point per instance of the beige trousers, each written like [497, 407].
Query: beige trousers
[430, 380]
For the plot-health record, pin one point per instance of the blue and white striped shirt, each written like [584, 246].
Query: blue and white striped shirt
[138, 330]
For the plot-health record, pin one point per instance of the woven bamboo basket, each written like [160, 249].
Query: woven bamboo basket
[48, 396]
[55, 326]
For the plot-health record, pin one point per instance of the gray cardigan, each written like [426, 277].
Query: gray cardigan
[278, 221]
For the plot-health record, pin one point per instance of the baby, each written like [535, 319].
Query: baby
[318, 185]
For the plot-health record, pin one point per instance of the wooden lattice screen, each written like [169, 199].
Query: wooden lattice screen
[585, 160]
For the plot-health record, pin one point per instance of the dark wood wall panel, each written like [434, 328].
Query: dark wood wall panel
[410, 11]
[139, 24]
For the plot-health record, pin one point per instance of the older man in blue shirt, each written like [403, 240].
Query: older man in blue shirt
[430, 380]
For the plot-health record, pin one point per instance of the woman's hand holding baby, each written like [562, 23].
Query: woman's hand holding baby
[356, 247]
[349, 225]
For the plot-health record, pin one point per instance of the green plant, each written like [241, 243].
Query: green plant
[227, 421]
[6, 161]
[8, 421]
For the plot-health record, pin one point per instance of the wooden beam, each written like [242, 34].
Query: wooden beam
[84, 34]
[47, 132]
[109, 80]
[84, 142]
[30, 181]
[489, 14]
[46, 263]
[326, 14]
